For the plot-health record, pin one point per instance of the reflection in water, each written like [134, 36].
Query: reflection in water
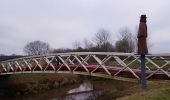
[85, 86]
[83, 92]
[82, 96]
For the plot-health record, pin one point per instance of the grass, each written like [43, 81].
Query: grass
[157, 94]
[157, 90]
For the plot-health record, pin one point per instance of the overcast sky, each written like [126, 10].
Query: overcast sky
[61, 22]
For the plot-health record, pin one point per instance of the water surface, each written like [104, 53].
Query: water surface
[84, 92]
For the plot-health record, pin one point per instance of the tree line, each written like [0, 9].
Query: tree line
[102, 42]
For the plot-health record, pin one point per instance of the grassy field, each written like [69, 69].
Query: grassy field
[157, 90]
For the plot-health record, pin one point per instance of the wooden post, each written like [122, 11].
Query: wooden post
[142, 49]
[143, 73]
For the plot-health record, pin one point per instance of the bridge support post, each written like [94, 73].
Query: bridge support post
[143, 73]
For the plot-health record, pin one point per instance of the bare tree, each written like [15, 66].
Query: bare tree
[76, 44]
[102, 40]
[127, 41]
[37, 48]
[87, 45]
[102, 37]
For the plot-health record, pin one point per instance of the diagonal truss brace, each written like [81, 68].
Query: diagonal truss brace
[125, 66]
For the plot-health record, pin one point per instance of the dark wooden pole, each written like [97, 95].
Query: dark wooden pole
[142, 49]
[143, 73]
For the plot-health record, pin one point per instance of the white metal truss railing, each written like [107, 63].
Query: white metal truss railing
[111, 64]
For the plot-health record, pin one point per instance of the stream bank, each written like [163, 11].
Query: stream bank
[50, 86]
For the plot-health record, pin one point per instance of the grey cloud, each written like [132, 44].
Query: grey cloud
[61, 22]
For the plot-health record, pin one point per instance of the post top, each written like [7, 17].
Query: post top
[143, 18]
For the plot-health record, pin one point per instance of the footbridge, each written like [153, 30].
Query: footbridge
[102, 64]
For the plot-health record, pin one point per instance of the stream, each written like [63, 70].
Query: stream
[83, 92]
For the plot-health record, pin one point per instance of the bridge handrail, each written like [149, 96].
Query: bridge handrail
[86, 53]
[72, 53]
